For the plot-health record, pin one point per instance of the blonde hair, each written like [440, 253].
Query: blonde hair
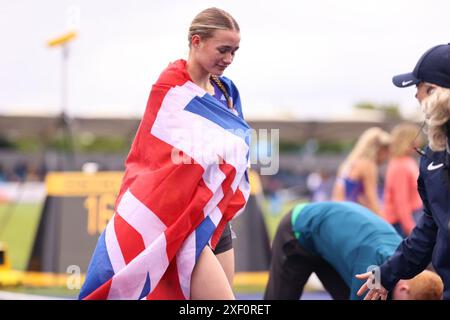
[402, 139]
[437, 108]
[368, 145]
[208, 21]
[427, 285]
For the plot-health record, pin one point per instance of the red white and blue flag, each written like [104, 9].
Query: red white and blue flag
[185, 178]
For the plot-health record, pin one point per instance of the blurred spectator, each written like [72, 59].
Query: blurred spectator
[42, 171]
[3, 176]
[20, 171]
[357, 177]
[275, 202]
[402, 206]
[320, 185]
[32, 173]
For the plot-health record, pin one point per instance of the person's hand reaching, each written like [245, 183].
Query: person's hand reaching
[375, 292]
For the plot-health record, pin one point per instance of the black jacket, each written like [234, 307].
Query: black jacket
[429, 241]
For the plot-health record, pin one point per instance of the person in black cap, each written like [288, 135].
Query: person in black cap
[429, 240]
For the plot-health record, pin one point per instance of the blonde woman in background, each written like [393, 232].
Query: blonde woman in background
[357, 177]
[402, 203]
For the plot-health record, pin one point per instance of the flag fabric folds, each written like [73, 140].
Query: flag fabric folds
[185, 178]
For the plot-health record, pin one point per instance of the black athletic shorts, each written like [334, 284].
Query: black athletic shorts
[226, 240]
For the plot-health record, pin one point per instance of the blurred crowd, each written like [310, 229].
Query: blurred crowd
[22, 171]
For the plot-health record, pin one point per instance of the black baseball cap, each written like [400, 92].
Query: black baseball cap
[432, 67]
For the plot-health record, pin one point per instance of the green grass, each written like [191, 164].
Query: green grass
[272, 219]
[18, 226]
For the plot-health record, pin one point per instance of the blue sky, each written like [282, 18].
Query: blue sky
[298, 59]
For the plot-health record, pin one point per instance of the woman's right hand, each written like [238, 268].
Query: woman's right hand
[374, 292]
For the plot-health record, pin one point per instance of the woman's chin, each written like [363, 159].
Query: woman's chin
[217, 73]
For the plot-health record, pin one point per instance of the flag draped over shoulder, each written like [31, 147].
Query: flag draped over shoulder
[185, 178]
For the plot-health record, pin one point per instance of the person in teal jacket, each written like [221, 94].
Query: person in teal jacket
[337, 240]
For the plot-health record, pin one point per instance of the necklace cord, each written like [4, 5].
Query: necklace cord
[219, 84]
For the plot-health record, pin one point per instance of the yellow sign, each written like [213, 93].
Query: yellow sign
[79, 184]
[100, 210]
[62, 39]
[255, 182]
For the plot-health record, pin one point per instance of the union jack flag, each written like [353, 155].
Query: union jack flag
[185, 178]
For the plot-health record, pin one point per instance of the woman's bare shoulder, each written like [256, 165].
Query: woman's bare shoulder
[364, 166]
